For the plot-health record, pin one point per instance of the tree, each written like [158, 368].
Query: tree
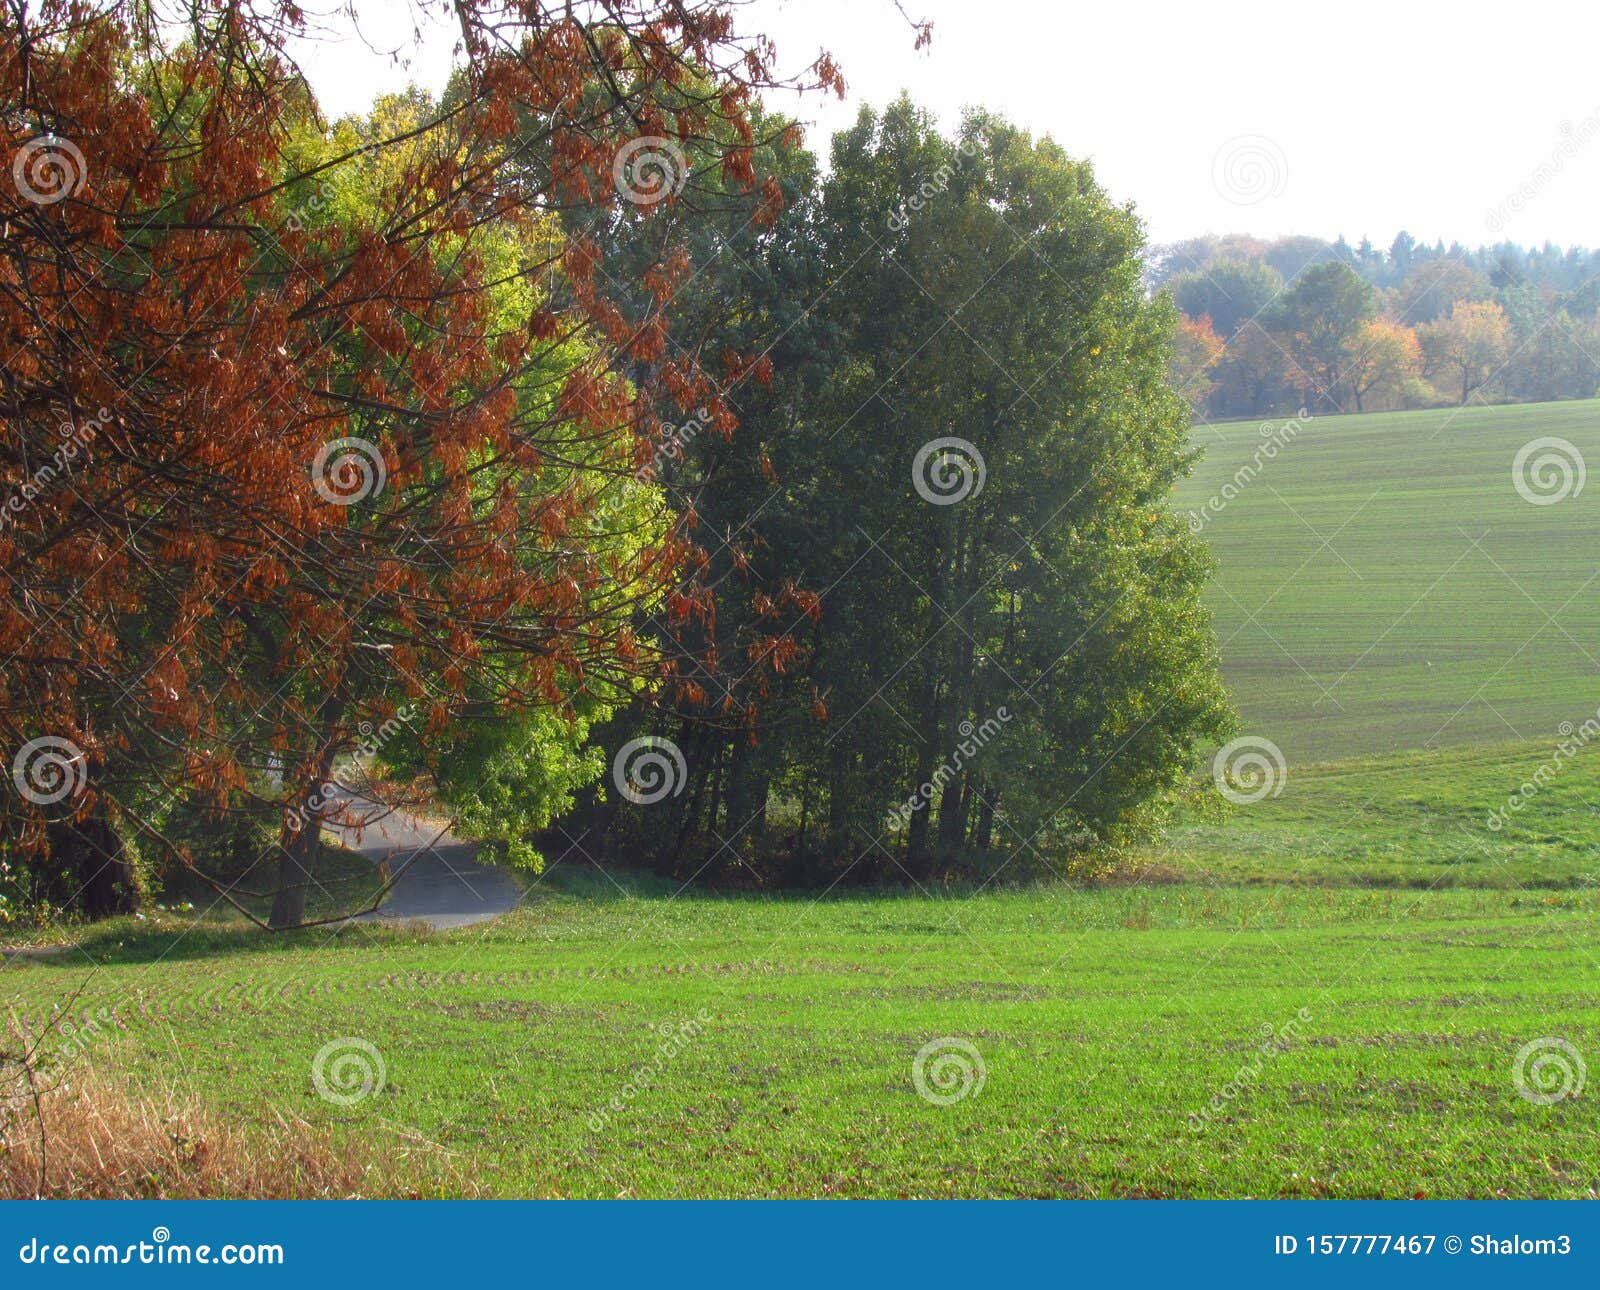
[1321, 314]
[1291, 256]
[1469, 348]
[1195, 351]
[1228, 292]
[1384, 360]
[747, 304]
[1431, 290]
[1252, 377]
[344, 401]
[1002, 554]
[1401, 251]
[1555, 360]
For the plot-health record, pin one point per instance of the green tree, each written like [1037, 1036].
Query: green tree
[1431, 290]
[1320, 315]
[1555, 360]
[1229, 292]
[999, 454]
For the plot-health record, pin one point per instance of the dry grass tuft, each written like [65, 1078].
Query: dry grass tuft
[102, 1141]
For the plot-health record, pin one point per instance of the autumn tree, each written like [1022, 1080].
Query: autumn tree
[1467, 350]
[1196, 347]
[1383, 363]
[338, 403]
[1253, 376]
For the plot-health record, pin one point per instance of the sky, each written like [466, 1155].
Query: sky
[1468, 122]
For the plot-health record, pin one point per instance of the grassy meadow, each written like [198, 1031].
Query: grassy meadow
[1418, 819]
[528, 1055]
[1324, 993]
[1381, 584]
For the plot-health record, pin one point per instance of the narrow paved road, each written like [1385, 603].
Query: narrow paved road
[445, 886]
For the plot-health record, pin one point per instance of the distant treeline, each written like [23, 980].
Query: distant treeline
[1269, 327]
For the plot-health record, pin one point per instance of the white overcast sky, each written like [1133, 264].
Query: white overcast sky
[1233, 116]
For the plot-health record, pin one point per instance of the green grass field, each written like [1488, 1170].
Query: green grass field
[1103, 1019]
[1324, 993]
[1413, 819]
[1382, 585]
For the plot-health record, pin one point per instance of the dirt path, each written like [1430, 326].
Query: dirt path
[445, 886]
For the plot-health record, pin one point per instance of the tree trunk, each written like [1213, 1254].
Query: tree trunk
[719, 778]
[919, 855]
[692, 740]
[985, 825]
[839, 771]
[298, 847]
[748, 784]
[296, 866]
[952, 816]
[102, 876]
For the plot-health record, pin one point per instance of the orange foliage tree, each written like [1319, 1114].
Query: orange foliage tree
[1196, 347]
[274, 481]
[1384, 361]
